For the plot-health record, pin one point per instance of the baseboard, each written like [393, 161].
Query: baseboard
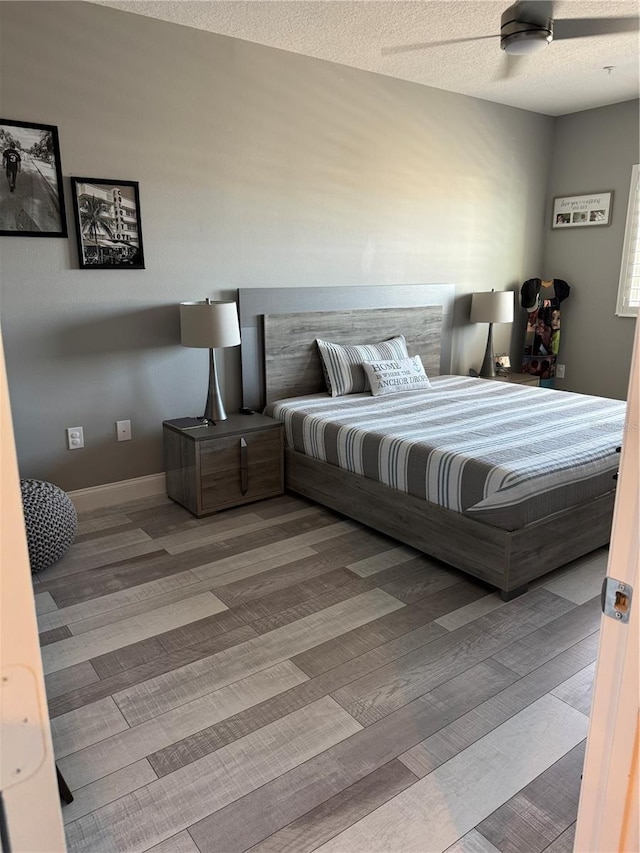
[111, 494]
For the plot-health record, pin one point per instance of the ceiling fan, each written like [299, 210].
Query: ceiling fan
[528, 25]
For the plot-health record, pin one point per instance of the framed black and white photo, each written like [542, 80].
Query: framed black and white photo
[578, 211]
[108, 227]
[31, 196]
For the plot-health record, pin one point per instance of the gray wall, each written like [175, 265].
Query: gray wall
[256, 168]
[594, 151]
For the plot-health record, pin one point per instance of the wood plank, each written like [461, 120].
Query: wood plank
[333, 653]
[470, 612]
[76, 698]
[212, 738]
[425, 582]
[449, 802]
[161, 521]
[99, 552]
[263, 595]
[132, 572]
[375, 695]
[171, 642]
[577, 691]
[44, 603]
[175, 688]
[138, 608]
[248, 821]
[230, 570]
[197, 537]
[124, 527]
[583, 581]
[385, 560]
[105, 521]
[180, 843]
[362, 541]
[188, 795]
[339, 812]
[244, 565]
[472, 842]
[159, 500]
[115, 752]
[106, 790]
[101, 640]
[115, 600]
[273, 507]
[310, 605]
[565, 842]
[53, 636]
[122, 574]
[541, 811]
[77, 729]
[276, 548]
[550, 640]
[71, 678]
[429, 754]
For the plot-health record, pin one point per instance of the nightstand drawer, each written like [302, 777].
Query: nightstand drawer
[241, 468]
[225, 453]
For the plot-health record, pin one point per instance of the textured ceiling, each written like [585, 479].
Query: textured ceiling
[564, 77]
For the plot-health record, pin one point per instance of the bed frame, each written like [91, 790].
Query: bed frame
[279, 359]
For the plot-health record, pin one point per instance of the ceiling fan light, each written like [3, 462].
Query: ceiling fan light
[520, 44]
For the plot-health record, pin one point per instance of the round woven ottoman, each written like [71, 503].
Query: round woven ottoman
[51, 522]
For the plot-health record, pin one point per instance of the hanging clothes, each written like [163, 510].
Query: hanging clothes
[541, 298]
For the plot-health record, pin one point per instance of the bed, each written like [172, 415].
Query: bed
[487, 521]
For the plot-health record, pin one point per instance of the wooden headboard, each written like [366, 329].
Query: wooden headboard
[279, 327]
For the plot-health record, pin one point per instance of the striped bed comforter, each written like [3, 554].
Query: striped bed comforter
[505, 454]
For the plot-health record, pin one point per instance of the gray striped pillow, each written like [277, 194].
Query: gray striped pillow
[342, 365]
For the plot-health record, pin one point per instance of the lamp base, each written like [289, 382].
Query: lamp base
[488, 369]
[214, 410]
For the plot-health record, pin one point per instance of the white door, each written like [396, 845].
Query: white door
[27, 771]
[609, 811]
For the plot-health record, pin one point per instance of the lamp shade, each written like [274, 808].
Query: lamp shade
[492, 307]
[209, 324]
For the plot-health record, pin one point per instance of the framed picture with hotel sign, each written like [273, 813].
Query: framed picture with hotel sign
[108, 226]
[580, 211]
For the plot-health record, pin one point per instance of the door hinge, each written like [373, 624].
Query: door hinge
[616, 599]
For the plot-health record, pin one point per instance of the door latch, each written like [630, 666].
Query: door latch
[615, 598]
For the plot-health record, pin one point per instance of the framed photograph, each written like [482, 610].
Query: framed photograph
[580, 211]
[31, 197]
[108, 227]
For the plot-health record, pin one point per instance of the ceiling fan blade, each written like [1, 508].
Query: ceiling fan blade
[508, 66]
[572, 28]
[406, 48]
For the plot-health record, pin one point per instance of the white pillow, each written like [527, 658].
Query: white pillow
[342, 365]
[391, 377]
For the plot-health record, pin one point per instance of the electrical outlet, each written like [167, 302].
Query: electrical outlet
[123, 430]
[560, 371]
[75, 438]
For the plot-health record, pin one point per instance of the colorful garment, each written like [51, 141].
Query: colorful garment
[542, 337]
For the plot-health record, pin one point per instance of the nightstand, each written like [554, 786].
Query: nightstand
[233, 462]
[517, 379]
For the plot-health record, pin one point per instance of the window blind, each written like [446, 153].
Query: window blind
[629, 286]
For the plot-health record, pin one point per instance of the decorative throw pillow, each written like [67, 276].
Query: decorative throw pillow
[390, 377]
[342, 365]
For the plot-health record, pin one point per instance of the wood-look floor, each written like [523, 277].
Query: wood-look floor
[277, 678]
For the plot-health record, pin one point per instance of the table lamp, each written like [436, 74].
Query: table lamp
[491, 307]
[210, 325]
